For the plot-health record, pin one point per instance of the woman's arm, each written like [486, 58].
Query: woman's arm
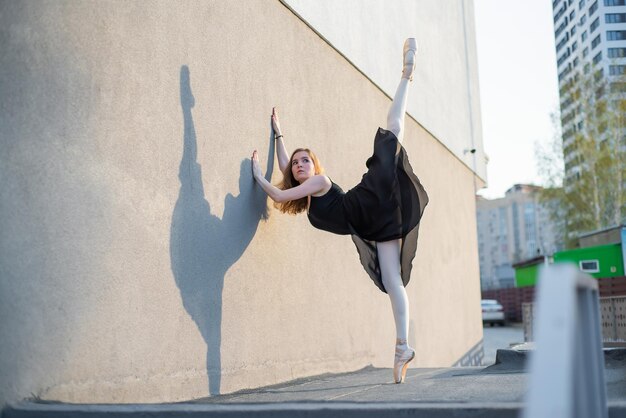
[281, 152]
[311, 186]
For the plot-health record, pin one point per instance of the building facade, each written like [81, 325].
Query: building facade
[590, 37]
[511, 229]
[139, 260]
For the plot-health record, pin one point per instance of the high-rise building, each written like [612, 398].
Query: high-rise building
[590, 38]
[511, 229]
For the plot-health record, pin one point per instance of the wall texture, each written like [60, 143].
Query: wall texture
[139, 262]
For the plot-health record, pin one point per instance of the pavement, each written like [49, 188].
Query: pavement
[493, 391]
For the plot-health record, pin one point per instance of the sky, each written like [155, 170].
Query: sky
[518, 87]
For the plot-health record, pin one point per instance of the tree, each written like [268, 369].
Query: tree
[584, 168]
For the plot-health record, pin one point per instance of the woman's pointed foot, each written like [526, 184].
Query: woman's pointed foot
[409, 54]
[404, 354]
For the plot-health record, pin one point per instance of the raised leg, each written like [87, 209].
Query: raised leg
[395, 117]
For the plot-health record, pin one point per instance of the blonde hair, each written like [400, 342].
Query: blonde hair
[293, 207]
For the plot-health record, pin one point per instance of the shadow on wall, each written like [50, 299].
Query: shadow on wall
[202, 246]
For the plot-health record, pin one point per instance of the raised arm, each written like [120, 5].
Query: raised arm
[281, 152]
[311, 186]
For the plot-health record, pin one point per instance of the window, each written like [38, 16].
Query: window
[563, 42]
[617, 52]
[589, 266]
[568, 133]
[560, 12]
[597, 58]
[576, 61]
[565, 72]
[571, 15]
[617, 69]
[615, 2]
[563, 57]
[583, 37]
[574, 46]
[594, 25]
[581, 3]
[568, 118]
[530, 226]
[618, 87]
[585, 52]
[596, 41]
[516, 233]
[615, 17]
[615, 35]
[560, 29]
[573, 31]
[593, 8]
[583, 19]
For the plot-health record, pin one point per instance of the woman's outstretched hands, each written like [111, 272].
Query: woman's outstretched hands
[256, 169]
[275, 122]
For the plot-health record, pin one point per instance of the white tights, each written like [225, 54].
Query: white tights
[389, 260]
[395, 117]
[389, 251]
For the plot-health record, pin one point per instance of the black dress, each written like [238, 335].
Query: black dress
[387, 204]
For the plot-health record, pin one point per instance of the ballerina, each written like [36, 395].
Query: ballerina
[381, 213]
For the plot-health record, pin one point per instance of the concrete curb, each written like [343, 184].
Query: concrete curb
[515, 359]
[283, 410]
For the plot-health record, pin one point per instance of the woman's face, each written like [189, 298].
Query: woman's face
[302, 166]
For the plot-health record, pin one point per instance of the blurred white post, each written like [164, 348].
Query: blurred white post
[566, 370]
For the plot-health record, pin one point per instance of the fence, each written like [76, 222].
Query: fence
[513, 299]
[612, 319]
[612, 286]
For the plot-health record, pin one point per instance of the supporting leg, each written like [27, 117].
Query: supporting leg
[389, 260]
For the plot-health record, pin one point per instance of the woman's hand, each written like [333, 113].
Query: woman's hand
[275, 122]
[256, 169]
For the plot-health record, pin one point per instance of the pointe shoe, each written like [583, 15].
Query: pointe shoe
[401, 361]
[408, 58]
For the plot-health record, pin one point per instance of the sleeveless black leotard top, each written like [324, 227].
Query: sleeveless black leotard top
[328, 213]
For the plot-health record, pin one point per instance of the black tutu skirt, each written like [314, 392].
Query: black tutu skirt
[387, 204]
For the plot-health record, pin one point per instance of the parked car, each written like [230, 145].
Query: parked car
[493, 312]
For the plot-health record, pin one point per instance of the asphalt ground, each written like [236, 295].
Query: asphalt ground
[494, 391]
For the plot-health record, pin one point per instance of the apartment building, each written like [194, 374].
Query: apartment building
[590, 37]
[511, 229]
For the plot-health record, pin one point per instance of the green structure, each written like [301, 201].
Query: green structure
[598, 261]
[526, 272]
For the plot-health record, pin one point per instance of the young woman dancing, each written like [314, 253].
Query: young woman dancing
[382, 212]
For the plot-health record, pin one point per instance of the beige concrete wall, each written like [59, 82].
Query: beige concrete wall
[137, 263]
